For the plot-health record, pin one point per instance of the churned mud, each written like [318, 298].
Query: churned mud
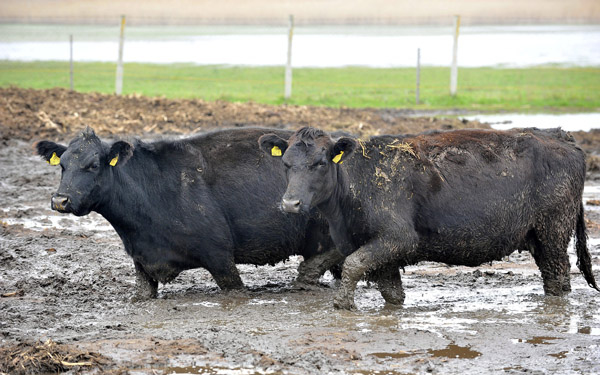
[66, 284]
[68, 280]
[59, 113]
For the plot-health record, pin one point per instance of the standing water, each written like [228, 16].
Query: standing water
[324, 46]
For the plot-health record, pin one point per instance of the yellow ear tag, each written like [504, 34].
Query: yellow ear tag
[336, 159]
[114, 161]
[276, 151]
[54, 160]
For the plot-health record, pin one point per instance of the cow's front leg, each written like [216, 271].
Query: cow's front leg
[145, 286]
[355, 266]
[375, 255]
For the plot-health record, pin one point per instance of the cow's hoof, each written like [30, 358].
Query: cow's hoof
[307, 279]
[392, 298]
[344, 303]
[138, 297]
[302, 285]
[306, 282]
[237, 292]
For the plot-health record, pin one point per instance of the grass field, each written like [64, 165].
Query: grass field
[543, 89]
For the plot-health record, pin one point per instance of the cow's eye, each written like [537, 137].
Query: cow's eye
[287, 165]
[320, 163]
[94, 165]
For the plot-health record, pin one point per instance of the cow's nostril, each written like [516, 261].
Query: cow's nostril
[292, 206]
[59, 202]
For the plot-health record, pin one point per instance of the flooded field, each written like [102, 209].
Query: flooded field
[68, 280]
[568, 121]
[313, 46]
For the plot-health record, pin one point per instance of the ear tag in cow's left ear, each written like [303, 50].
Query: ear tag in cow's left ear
[114, 161]
[54, 160]
[336, 159]
[275, 151]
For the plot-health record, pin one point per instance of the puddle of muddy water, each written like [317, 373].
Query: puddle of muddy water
[211, 370]
[560, 355]
[378, 372]
[537, 340]
[455, 351]
[576, 326]
[396, 355]
[52, 220]
[450, 351]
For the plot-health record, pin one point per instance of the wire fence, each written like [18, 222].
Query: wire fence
[352, 86]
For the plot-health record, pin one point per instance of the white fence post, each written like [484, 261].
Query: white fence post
[71, 61]
[454, 67]
[417, 100]
[288, 65]
[119, 83]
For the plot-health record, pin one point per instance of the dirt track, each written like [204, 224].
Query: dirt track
[68, 279]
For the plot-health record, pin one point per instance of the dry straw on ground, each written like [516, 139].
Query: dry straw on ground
[46, 357]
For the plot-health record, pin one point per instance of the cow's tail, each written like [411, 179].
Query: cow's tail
[584, 260]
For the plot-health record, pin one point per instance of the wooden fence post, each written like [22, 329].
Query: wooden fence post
[71, 61]
[454, 67]
[288, 65]
[417, 99]
[119, 82]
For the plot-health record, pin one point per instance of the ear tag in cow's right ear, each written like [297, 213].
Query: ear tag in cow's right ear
[336, 159]
[114, 161]
[275, 151]
[54, 160]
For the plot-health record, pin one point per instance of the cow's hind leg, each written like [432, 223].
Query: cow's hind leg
[223, 270]
[389, 282]
[550, 254]
[145, 286]
[310, 270]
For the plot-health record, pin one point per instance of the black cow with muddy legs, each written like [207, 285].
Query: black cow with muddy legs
[462, 197]
[209, 201]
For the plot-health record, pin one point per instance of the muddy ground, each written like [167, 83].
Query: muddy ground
[68, 280]
[59, 113]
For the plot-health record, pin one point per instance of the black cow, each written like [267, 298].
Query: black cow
[461, 197]
[209, 201]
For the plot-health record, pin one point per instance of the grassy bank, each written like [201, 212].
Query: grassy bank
[482, 89]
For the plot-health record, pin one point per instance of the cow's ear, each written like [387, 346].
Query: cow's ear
[119, 153]
[50, 151]
[342, 149]
[273, 145]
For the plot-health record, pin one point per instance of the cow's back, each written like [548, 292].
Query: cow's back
[474, 194]
[493, 189]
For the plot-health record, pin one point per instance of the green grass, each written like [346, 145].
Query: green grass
[540, 89]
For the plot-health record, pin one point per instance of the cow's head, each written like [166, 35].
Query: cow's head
[86, 165]
[311, 159]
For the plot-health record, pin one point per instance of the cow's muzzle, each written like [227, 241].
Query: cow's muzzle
[291, 205]
[60, 203]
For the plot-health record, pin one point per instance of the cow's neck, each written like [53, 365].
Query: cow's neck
[338, 210]
[128, 206]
